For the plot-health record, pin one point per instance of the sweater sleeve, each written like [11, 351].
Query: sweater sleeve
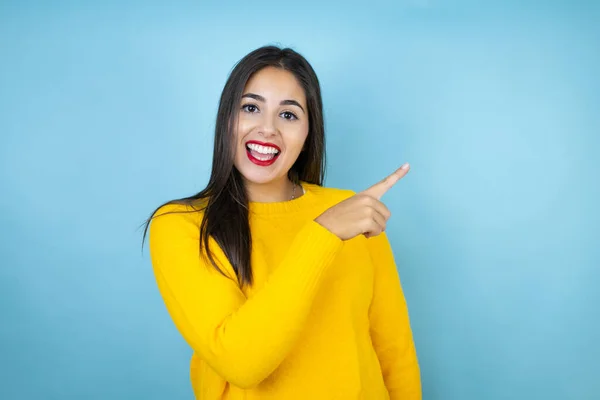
[243, 340]
[390, 326]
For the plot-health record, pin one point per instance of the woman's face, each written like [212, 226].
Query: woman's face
[272, 125]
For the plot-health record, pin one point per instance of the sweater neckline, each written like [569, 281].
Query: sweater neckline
[288, 206]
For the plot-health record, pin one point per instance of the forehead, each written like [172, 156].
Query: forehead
[275, 84]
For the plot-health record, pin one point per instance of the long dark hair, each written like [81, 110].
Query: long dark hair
[225, 200]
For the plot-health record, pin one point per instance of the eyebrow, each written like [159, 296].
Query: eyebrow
[258, 97]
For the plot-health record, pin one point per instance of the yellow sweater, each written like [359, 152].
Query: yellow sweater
[324, 318]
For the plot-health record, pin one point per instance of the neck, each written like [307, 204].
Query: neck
[271, 192]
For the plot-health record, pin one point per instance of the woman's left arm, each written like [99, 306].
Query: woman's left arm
[390, 325]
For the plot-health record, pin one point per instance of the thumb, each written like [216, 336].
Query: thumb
[380, 188]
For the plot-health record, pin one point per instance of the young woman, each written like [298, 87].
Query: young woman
[283, 288]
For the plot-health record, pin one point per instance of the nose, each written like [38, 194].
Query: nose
[267, 127]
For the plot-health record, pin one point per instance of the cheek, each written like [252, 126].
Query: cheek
[304, 137]
[244, 125]
[295, 140]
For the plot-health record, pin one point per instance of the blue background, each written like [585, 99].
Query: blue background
[107, 109]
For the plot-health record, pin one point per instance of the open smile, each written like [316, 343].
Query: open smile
[262, 154]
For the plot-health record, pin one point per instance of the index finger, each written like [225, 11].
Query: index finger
[380, 188]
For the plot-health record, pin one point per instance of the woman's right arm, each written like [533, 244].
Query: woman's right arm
[243, 340]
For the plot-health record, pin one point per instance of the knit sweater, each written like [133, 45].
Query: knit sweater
[323, 318]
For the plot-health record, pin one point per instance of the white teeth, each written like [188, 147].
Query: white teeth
[262, 149]
[267, 158]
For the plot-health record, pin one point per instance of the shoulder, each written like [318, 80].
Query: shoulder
[175, 219]
[174, 234]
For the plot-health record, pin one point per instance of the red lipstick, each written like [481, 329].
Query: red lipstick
[264, 160]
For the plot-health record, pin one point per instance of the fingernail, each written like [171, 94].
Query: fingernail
[405, 166]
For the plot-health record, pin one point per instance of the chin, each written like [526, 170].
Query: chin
[259, 180]
[252, 174]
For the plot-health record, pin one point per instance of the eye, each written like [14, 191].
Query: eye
[289, 115]
[250, 108]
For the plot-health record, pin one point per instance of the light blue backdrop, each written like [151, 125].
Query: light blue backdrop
[107, 109]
